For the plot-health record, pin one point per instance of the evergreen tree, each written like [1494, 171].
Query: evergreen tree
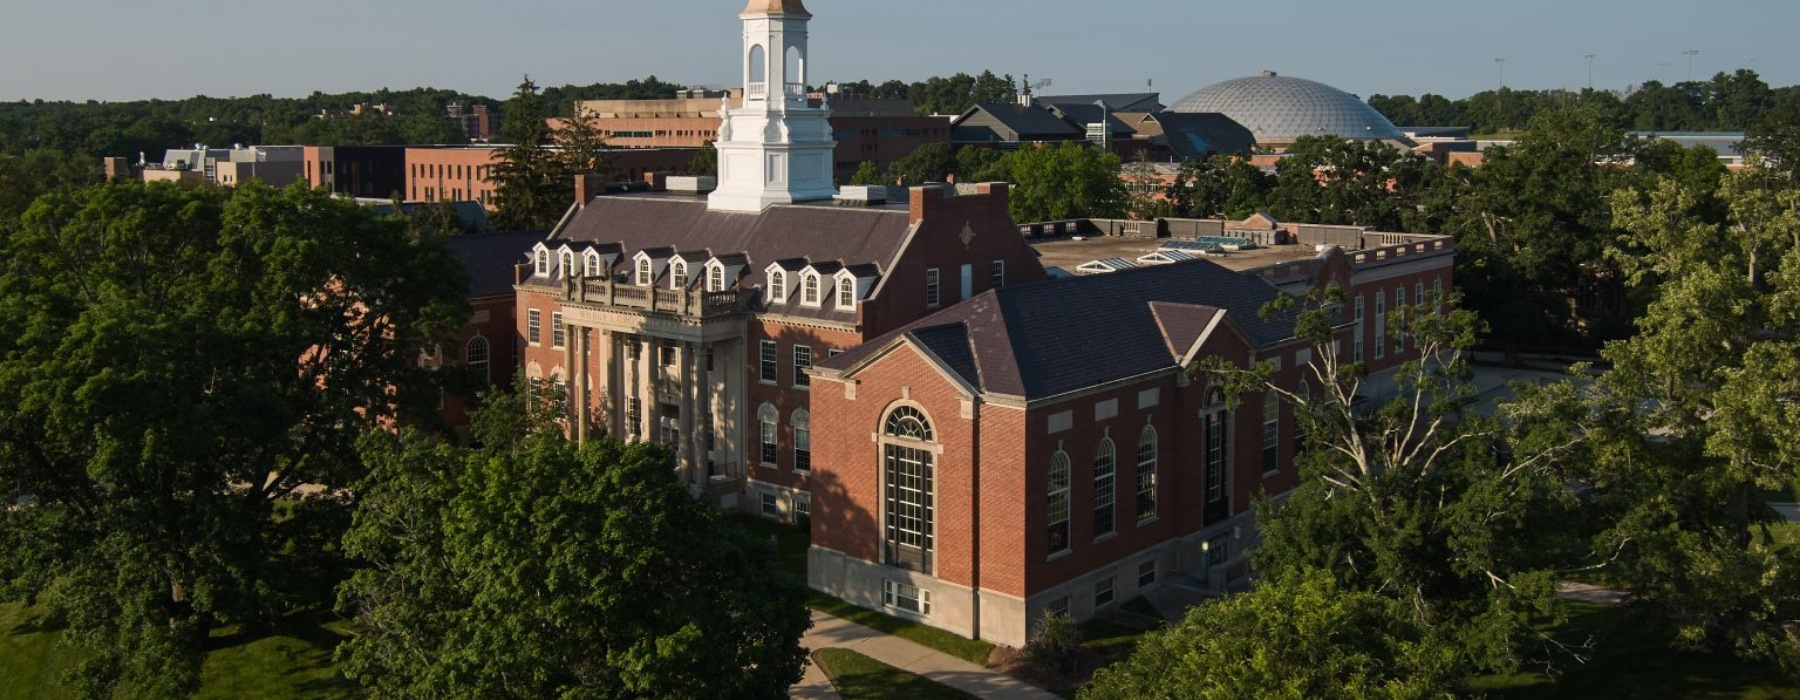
[531, 188]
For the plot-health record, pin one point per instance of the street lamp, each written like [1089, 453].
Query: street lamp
[1590, 61]
[1502, 63]
[1691, 53]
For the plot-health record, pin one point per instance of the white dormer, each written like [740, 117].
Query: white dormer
[565, 258]
[590, 263]
[540, 258]
[678, 275]
[783, 280]
[851, 285]
[646, 268]
[812, 291]
[722, 272]
[715, 276]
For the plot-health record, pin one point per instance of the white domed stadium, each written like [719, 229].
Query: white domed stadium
[1279, 109]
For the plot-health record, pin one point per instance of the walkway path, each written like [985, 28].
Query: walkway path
[833, 633]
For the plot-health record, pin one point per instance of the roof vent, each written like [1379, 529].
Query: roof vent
[1269, 74]
[692, 185]
[862, 195]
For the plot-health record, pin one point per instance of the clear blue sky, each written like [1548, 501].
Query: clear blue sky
[134, 49]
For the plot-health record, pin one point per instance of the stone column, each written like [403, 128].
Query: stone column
[582, 377]
[694, 460]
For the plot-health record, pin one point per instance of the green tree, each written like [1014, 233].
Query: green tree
[705, 162]
[175, 365]
[1298, 636]
[530, 187]
[932, 162]
[583, 147]
[532, 568]
[1414, 499]
[1065, 181]
[867, 174]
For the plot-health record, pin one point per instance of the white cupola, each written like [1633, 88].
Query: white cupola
[776, 148]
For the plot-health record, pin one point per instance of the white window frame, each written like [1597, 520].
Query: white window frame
[778, 286]
[811, 293]
[646, 270]
[678, 276]
[559, 333]
[591, 262]
[802, 422]
[542, 262]
[802, 357]
[1146, 474]
[534, 327]
[1056, 503]
[566, 259]
[846, 293]
[1106, 489]
[895, 593]
[768, 438]
[715, 278]
[933, 289]
[999, 274]
[768, 362]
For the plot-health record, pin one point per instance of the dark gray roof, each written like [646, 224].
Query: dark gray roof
[847, 235]
[1199, 136]
[1031, 123]
[1119, 102]
[491, 258]
[1080, 115]
[1050, 338]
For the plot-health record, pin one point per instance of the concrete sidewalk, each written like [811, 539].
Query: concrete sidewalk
[833, 633]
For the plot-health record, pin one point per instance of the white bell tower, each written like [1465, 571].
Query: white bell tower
[776, 148]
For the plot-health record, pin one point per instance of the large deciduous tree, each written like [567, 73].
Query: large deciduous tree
[533, 568]
[1065, 181]
[176, 364]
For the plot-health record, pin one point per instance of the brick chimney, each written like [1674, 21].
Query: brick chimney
[587, 187]
[925, 198]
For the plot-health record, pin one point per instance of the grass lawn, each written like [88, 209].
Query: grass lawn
[1632, 659]
[291, 662]
[858, 677]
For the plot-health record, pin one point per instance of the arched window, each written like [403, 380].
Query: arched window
[768, 422]
[846, 293]
[715, 278]
[1056, 504]
[543, 263]
[907, 488]
[568, 263]
[795, 71]
[1146, 474]
[778, 286]
[476, 357]
[679, 277]
[1106, 464]
[809, 289]
[593, 264]
[1217, 507]
[759, 64]
[644, 270]
[802, 441]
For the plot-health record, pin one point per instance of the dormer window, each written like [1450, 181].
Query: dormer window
[593, 264]
[809, 289]
[846, 293]
[680, 274]
[568, 263]
[543, 263]
[715, 278]
[644, 275]
[778, 286]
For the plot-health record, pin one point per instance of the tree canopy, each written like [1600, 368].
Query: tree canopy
[183, 375]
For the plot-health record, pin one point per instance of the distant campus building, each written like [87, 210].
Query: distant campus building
[984, 421]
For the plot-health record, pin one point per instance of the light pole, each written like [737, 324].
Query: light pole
[1590, 61]
[1502, 63]
[1691, 53]
[1665, 70]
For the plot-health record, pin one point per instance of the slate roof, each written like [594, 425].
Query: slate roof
[1080, 115]
[491, 257]
[848, 235]
[1199, 135]
[1050, 338]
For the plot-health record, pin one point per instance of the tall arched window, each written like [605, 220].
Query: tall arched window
[802, 441]
[777, 286]
[568, 263]
[679, 274]
[768, 424]
[592, 264]
[759, 65]
[476, 357]
[644, 271]
[715, 278]
[1056, 504]
[907, 457]
[1217, 505]
[1106, 465]
[543, 263]
[795, 71]
[1146, 474]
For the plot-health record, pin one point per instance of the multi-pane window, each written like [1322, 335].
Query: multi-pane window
[592, 264]
[809, 290]
[476, 357]
[715, 278]
[1380, 324]
[771, 506]
[999, 274]
[1359, 308]
[1103, 592]
[1056, 505]
[802, 506]
[778, 286]
[802, 441]
[908, 489]
[1215, 448]
[802, 362]
[634, 416]
[644, 271]
[1105, 473]
[931, 288]
[543, 263]
[534, 333]
[559, 334]
[1147, 573]
[1146, 474]
[680, 275]
[769, 361]
[568, 263]
[901, 596]
[1271, 437]
[768, 424]
[846, 293]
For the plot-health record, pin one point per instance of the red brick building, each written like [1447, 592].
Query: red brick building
[465, 173]
[1042, 448]
[488, 344]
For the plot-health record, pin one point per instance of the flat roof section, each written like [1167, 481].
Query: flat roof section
[1069, 253]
